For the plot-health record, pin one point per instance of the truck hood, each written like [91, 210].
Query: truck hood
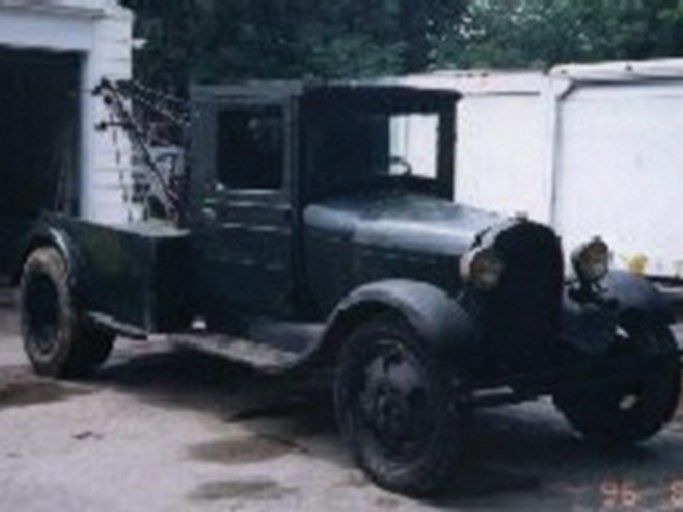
[400, 221]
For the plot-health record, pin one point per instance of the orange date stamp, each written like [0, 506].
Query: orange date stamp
[627, 495]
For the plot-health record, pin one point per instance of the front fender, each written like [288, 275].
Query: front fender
[436, 318]
[632, 294]
[590, 324]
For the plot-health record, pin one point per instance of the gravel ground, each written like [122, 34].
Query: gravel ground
[162, 430]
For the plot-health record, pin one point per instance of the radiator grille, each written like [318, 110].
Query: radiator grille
[525, 310]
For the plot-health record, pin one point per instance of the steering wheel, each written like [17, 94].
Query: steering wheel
[396, 160]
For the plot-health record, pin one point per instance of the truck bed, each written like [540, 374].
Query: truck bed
[137, 276]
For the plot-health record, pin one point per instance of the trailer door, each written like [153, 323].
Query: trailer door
[621, 173]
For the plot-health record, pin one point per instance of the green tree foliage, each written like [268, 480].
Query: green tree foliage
[215, 40]
[170, 31]
[638, 29]
[537, 33]
[218, 40]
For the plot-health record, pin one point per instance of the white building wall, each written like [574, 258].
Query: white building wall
[108, 176]
[102, 33]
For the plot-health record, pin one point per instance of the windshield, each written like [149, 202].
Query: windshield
[354, 147]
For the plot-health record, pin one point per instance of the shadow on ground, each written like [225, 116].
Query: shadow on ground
[284, 413]
[9, 318]
[512, 452]
[19, 387]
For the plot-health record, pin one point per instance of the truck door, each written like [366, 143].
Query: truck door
[245, 229]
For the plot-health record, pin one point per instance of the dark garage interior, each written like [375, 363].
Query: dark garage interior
[39, 139]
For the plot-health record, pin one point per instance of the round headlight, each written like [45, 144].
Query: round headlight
[591, 261]
[482, 268]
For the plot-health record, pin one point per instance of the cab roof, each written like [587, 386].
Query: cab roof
[274, 90]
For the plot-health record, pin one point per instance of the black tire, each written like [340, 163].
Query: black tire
[57, 341]
[394, 408]
[637, 409]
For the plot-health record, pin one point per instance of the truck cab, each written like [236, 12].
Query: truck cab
[271, 161]
[315, 234]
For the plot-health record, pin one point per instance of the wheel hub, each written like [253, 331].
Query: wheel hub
[388, 409]
[394, 401]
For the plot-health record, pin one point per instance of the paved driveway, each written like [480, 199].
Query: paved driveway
[167, 431]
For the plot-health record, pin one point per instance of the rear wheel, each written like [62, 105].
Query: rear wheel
[393, 407]
[58, 342]
[637, 408]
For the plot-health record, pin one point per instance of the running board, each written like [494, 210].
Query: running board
[271, 348]
[257, 355]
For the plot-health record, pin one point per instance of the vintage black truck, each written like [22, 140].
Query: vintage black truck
[314, 236]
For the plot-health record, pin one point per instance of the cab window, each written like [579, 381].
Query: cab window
[251, 148]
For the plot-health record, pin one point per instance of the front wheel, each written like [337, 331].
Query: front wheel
[637, 408]
[393, 406]
[57, 341]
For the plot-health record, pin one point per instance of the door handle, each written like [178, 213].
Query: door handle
[209, 214]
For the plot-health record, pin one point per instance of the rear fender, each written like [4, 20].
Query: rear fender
[46, 235]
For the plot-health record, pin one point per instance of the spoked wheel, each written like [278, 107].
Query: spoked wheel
[638, 407]
[56, 339]
[393, 407]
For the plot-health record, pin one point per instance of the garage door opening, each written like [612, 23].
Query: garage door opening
[40, 132]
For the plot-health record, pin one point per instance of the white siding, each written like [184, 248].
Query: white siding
[21, 29]
[102, 33]
[109, 155]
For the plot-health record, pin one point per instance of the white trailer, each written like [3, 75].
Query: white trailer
[590, 149]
